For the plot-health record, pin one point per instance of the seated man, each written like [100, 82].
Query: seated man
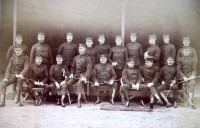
[38, 74]
[150, 74]
[168, 76]
[17, 68]
[104, 75]
[58, 76]
[131, 80]
[82, 69]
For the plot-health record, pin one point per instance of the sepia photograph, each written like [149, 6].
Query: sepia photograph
[99, 63]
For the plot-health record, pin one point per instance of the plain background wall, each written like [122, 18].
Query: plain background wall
[92, 17]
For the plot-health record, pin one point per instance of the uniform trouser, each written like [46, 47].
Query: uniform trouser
[188, 88]
[11, 80]
[62, 91]
[143, 87]
[30, 86]
[80, 85]
[96, 88]
[167, 87]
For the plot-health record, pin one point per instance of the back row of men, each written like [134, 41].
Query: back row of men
[91, 64]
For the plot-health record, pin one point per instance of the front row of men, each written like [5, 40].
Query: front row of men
[62, 80]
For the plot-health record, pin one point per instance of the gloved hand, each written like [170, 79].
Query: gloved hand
[37, 83]
[41, 83]
[96, 83]
[137, 86]
[185, 79]
[57, 85]
[83, 79]
[19, 76]
[5, 80]
[63, 82]
[114, 64]
[111, 82]
[134, 86]
[163, 82]
[150, 84]
[71, 76]
[173, 82]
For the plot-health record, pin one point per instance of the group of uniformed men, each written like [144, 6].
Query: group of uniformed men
[101, 66]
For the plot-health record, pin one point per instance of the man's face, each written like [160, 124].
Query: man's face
[81, 50]
[41, 38]
[69, 38]
[59, 60]
[118, 41]
[18, 51]
[101, 40]
[133, 38]
[130, 64]
[152, 41]
[18, 40]
[186, 52]
[89, 43]
[186, 42]
[103, 60]
[170, 61]
[38, 60]
[148, 63]
[166, 40]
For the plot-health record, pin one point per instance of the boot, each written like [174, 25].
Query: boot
[142, 102]
[63, 103]
[112, 101]
[123, 100]
[175, 104]
[78, 104]
[20, 98]
[168, 104]
[98, 100]
[2, 100]
[127, 104]
[58, 101]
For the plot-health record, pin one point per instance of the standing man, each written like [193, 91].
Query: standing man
[17, 68]
[153, 51]
[102, 48]
[90, 51]
[117, 56]
[186, 68]
[43, 50]
[58, 76]
[80, 72]
[135, 50]
[104, 73]
[38, 74]
[167, 50]
[68, 50]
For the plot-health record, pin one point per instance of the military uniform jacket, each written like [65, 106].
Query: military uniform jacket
[102, 49]
[57, 73]
[186, 66]
[193, 54]
[92, 53]
[82, 65]
[103, 72]
[17, 65]
[67, 50]
[131, 76]
[118, 54]
[167, 50]
[43, 50]
[11, 52]
[168, 73]
[154, 51]
[150, 74]
[134, 51]
[38, 73]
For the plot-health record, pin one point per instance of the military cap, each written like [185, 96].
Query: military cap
[59, 56]
[88, 38]
[133, 34]
[129, 60]
[69, 33]
[149, 59]
[166, 36]
[153, 36]
[103, 55]
[18, 36]
[82, 45]
[38, 56]
[186, 38]
[41, 33]
[170, 57]
[101, 35]
[118, 36]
